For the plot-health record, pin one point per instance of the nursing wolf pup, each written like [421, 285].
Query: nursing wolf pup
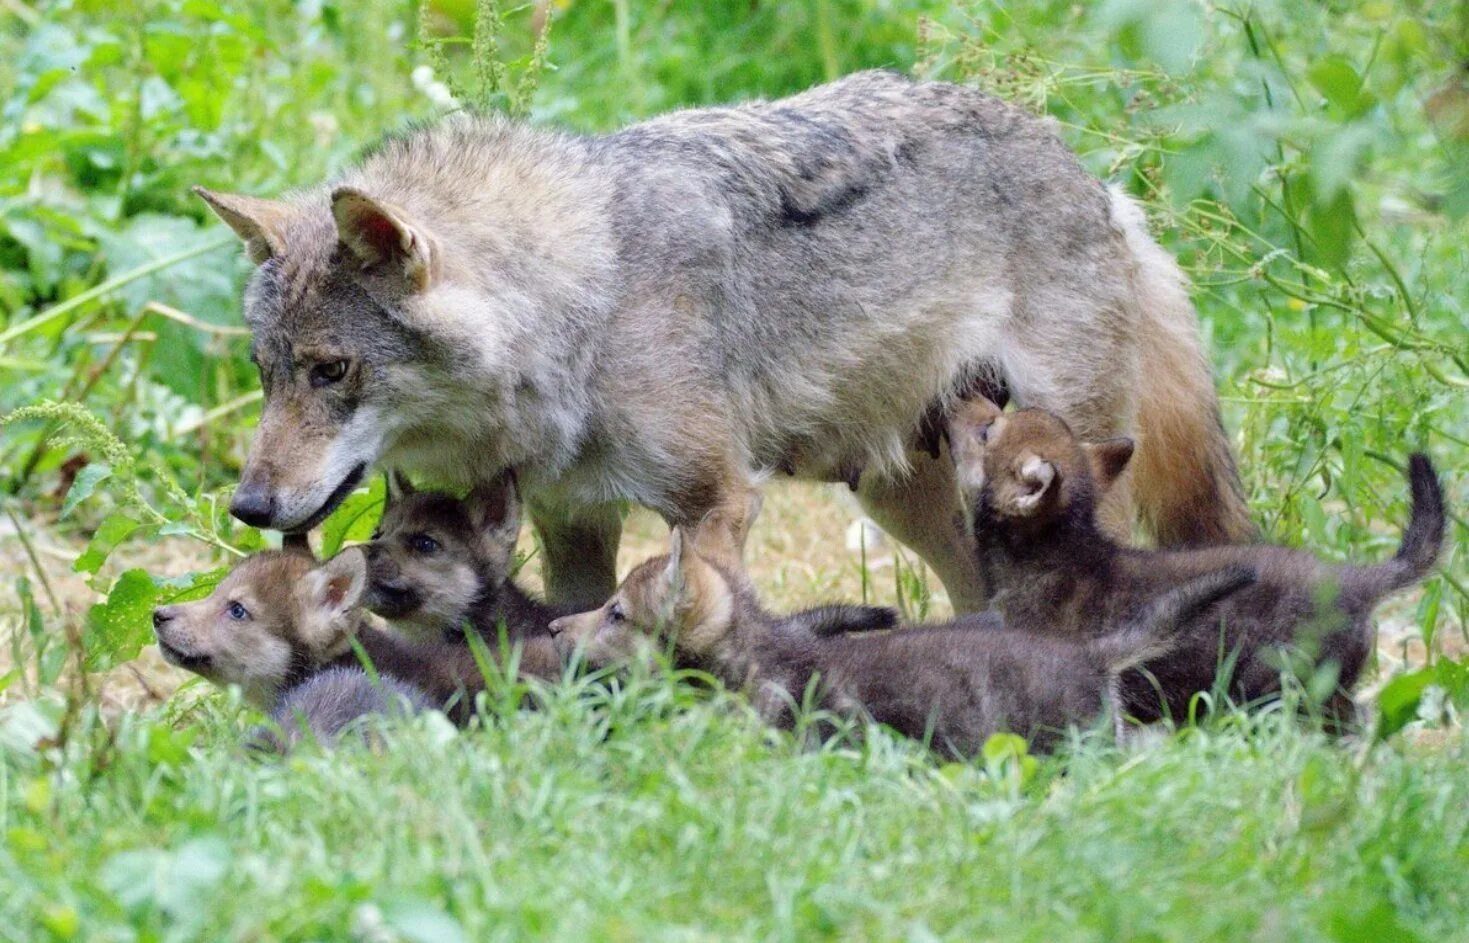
[952, 685]
[1034, 487]
[668, 313]
[279, 619]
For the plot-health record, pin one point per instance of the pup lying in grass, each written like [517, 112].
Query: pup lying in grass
[438, 565]
[280, 627]
[1033, 488]
[952, 685]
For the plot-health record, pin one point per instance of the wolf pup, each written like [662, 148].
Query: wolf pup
[634, 317]
[952, 685]
[1034, 487]
[280, 619]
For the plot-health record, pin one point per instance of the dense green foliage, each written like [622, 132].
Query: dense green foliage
[1308, 163]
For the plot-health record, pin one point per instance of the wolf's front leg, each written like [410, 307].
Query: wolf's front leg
[580, 548]
[922, 510]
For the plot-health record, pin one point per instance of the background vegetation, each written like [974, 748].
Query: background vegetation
[1309, 164]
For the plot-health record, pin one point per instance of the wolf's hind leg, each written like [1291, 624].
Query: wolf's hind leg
[580, 548]
[923, 511]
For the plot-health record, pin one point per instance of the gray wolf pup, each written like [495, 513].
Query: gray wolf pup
[952, 685]
[1035, 485]
[669, 313]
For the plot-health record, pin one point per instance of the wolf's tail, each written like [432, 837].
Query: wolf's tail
[1362, 586]
[1184, 478]
[1154, 631]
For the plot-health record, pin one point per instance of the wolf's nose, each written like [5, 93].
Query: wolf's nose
[160, 616]
[556, 626]
[253, 504]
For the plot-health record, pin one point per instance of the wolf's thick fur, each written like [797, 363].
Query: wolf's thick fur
[667, 313]
[954, 683]
[1035, 486]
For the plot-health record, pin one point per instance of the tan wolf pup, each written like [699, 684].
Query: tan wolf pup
[951, 685]
[670, 313]
[1034, 487]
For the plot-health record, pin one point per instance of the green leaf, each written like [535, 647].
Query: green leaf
[113, 530]
[355, 520]
[85, 484]
[1397, 704]
[1332, 226]
[1339, 84]
[119, 628]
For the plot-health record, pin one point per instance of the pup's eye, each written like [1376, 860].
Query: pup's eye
[984, 431]
[324, 374]
[423, 543]
[237, 612]
[615, 614]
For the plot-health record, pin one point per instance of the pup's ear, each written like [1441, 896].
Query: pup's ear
[1037, 478]
[678, 573]
[382, 238]
[327, 594]
[1108, 459]
[336, 586]
[494, 507]
[259, 223]
[399, 487]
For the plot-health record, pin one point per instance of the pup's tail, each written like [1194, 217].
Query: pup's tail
[1154, 631]
[1185, 482]
[841, 618]
[1422, 541]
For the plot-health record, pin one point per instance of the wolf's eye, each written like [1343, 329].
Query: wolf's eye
[237, 612]
[324, 374]
[615, 614]
[423, 543]
[984, 431]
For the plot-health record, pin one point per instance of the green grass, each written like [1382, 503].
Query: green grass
[650, 812]
[1308, 165]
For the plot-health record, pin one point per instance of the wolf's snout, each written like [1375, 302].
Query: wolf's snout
[557, 626]
[161, 616]
[253, 503]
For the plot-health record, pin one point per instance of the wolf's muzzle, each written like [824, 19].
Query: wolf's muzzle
[253, 503]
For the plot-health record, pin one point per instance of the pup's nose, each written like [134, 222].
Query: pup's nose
[557, 626]
[253, 503]
[161, 615]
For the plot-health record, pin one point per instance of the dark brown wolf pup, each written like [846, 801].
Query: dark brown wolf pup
[1034, 486]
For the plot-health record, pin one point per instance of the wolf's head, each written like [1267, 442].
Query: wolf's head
[434, 557]
[679, 600]
[276, 613]
[1027, 467]
[343, 307]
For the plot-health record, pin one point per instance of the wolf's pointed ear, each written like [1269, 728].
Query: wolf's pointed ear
[494, 507]
[399, 487]
[678, 571]
[382, 238]
[336, 586]
[259, 223]
[1108, 459]
[1037, 479]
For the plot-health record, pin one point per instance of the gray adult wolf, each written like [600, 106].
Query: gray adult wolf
[669, 313]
